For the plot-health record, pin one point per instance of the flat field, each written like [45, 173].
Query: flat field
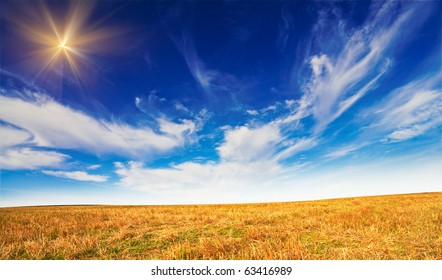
[380, 227]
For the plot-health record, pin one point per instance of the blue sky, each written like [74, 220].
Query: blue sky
[144, 102]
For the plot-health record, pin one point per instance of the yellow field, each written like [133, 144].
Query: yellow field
[382, 227]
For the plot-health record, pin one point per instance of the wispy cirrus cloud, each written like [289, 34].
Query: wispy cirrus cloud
[339, 79]
[160, 110]
[216, 84]
[59, 126]
[296, 146]
[343, 75]
[286, 25]
[408, 111]
[211, 81]
[76, 175]
[344, 150]
[94, 166]
[405, 113]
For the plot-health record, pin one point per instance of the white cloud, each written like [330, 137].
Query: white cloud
[201, 118]
[229, 182]
[13, 156]
[300, 109]
[289, 103]
[343, 151]
[203, 76]
[269, 108]
[27, 158]
[210, 80]
[408, 111]
[153, 105]
[244, 144]
[57, 126]
[11, 136]
[138, 101]
[296, 147]
[252, 112]
[94, 166]
[200, 181]
[177, 131]
[286, 25]
[76, 175]
[404, 134]
[347, 103]
[265, 142]
[248, 163]
[320, 64]
[179, 106]
[262, 111]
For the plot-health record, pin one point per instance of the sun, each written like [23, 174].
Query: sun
[62, 45]
[64, 38]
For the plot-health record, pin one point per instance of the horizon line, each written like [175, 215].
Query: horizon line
[212, 204]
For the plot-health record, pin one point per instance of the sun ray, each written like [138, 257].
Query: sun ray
[61, 37]
[49, 62]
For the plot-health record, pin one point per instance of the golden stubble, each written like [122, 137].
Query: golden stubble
[382, 227]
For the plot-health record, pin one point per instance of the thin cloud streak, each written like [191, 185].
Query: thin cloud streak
[76, 175]
[344, 151]
[408, 111]
[215, 84]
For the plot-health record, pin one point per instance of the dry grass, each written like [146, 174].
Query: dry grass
[383, 227]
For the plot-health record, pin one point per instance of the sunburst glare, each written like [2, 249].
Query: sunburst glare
[61, 40]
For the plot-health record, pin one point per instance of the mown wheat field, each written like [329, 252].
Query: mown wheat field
[381, 227]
